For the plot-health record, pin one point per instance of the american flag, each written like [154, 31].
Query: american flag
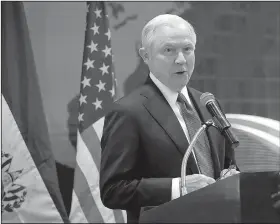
[97, 91]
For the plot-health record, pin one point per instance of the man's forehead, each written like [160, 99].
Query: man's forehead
[170, 41]
[174, 38]
[173, 44]
[174, 31]
[165, 27]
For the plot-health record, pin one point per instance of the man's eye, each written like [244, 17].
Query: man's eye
[189, 49]
[168, 50]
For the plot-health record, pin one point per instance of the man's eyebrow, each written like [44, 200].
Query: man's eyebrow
[171, 43]
[164, 44]
[168, 43]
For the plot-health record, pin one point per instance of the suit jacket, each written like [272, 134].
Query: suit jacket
[143, 146]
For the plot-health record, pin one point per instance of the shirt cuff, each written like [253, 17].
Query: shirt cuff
[175, 188]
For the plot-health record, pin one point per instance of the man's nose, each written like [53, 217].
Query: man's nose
[180, 59]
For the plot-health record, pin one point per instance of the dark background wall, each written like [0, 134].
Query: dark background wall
[239, 54]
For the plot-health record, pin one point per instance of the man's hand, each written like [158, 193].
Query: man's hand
[197, 181]
[227, 173]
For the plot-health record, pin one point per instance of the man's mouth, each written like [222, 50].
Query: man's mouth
[180, 72]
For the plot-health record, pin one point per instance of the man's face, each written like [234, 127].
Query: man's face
[171, 56]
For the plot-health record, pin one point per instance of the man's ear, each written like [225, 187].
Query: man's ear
[144, 55]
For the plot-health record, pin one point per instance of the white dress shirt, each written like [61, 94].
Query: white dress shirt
[171, 98]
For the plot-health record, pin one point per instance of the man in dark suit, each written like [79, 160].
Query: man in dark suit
[147, 132]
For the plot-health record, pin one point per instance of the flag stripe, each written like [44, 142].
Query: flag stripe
[86, 202]
[84, 160]
[92, 144]
[91, 139]
[77, 215]
[98, 127]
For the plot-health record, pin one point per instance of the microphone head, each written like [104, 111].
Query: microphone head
[206, 98]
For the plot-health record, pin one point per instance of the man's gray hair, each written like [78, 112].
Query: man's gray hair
[162, 20]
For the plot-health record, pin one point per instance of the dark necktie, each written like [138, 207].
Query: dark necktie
[201, 148]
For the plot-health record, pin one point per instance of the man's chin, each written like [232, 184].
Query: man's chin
[182, 82]
[182, 78]
[179, 86]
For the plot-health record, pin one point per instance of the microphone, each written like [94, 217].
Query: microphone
[219, 118]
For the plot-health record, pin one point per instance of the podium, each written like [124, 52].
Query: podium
[242, 198]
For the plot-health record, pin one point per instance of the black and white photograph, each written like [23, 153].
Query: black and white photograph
[140, 111]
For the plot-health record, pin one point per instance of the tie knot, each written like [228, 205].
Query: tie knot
[182, 99]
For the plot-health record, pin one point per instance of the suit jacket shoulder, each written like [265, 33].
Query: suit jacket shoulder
[135, 100]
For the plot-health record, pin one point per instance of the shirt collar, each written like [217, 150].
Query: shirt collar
[170, 95]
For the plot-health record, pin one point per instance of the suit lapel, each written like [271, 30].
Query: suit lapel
[212, 133]
[161, 111]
